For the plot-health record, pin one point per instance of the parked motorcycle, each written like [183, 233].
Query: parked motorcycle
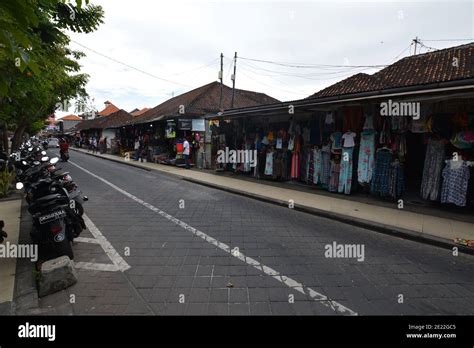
[55, 203]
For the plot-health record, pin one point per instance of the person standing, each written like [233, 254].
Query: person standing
[136, 147]
[94, 145]
[186, 150]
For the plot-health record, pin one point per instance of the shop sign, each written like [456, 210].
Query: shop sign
[199, 125]
[184, 124]
[170, 131]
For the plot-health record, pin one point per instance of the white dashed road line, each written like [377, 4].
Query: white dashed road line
[322, 299]
[119, 263]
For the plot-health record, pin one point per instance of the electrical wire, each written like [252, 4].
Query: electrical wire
[197, 68]
[311, 66]
[407, 48]
[131, 67]
[264, 84]
[428, 47]
[326, 78]
[321, 76]
[440, 40]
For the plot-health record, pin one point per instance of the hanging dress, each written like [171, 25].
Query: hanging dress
[316, 166]
[334, 181]
[381, 176]
[366, 165]
[295, 158]
[434, 160]
[455, 183]
[325, 165]
[269, 164]
[345, 176]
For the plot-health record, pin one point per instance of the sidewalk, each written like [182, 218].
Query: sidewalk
[10, 213]
[426, 228]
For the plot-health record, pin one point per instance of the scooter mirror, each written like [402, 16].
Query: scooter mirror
[19, 185]
[54, 160]
[43, 153]
[44, 159]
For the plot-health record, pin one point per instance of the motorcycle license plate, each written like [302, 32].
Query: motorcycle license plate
[55, 215]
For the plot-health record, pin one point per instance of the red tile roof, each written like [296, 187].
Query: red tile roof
[71, 118]
[139, 112]
[110, 108]
[204, 100]
[421, 69]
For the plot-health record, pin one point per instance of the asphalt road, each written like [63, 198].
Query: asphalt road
[227, 254]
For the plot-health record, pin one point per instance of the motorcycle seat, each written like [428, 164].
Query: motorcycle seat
[47, 202]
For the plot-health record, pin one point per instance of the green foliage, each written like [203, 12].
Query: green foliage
[6, 181]
[37, 68]
[27, 25]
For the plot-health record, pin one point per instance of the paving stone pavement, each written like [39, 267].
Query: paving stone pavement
[175, 272]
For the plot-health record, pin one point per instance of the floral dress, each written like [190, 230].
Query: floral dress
[434, 160]
[366, 165]
[317, 166]
[345, 176]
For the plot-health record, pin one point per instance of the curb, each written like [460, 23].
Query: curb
[373, 226]
[25, 298]
[136, 165]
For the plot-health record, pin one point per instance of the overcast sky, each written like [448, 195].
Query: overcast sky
[181, 41]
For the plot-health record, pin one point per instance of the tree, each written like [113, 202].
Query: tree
[37, 68]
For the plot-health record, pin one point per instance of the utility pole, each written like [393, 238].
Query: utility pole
[233, 79]
[221, 74]
[415, 41]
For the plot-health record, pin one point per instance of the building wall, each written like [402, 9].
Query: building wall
[110, 134]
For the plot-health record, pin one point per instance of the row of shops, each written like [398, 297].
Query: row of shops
[404, 134]
[353, 149]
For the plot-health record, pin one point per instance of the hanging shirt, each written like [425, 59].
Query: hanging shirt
[455, 182]
[279, 143]
[348, 139]
[329, 118]
[336, 141]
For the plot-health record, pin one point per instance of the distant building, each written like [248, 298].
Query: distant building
[109, 109]
[137, 112]
[68, 122]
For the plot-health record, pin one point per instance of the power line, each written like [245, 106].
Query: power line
[283, 90]
[312, 66]
[428, 47]
[197, 68]
[333, 76]
[407, 48]
[131, 67]
[450, 40]
[309, 76]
